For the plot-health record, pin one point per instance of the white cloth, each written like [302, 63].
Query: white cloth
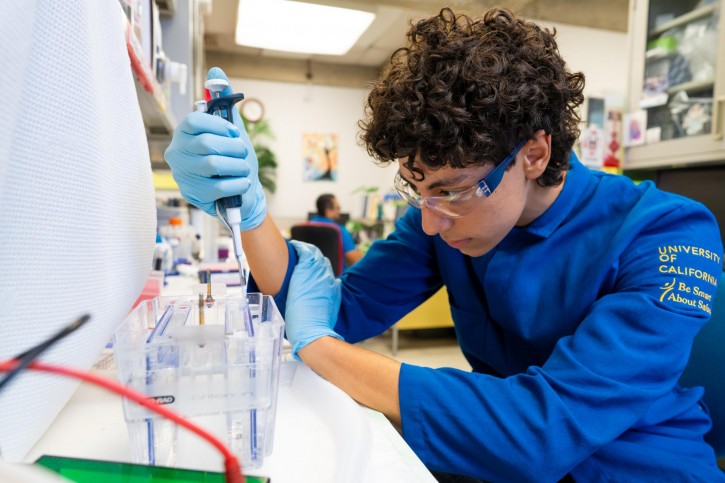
[77, 214]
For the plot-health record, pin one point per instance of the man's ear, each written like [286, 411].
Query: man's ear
[538, 153]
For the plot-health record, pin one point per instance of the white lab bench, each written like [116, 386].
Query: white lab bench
[321, 434]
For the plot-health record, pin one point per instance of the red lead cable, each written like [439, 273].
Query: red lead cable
[232, 468]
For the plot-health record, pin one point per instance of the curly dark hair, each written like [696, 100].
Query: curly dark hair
[465, 91]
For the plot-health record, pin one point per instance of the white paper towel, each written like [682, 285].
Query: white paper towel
[77, 214]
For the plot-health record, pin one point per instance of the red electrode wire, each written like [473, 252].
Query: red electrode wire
[231, 464]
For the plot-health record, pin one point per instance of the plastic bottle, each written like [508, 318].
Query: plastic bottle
[163, 255]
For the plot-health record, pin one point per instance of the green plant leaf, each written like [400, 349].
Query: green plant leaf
[260, 133]
[365, 189]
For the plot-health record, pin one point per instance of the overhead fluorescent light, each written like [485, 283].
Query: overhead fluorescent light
[299, 27]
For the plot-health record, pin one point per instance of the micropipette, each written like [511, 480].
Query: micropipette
[229, 209]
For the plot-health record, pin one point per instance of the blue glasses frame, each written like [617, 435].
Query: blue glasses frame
[446, 205]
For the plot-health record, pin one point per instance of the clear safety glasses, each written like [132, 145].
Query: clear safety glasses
[461, 203]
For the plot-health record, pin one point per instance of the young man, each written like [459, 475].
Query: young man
[328, 211]
[573, 292]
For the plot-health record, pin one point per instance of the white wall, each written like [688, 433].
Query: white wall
[602, 55]
[293, 109]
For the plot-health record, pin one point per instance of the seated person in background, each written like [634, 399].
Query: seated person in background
[328, 211]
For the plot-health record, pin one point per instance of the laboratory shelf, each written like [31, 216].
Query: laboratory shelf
[691, 16]
[692, 86]
[677, 79]
[158, 119]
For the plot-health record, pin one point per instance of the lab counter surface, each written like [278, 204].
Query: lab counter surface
[321, 434]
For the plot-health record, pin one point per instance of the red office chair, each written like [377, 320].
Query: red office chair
[325, 236]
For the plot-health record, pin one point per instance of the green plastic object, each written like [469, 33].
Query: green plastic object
[93, 471]
[667, 44]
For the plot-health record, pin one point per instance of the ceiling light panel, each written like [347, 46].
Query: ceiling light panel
[299, 27]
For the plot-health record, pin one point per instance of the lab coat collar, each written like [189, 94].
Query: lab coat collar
[576, 181]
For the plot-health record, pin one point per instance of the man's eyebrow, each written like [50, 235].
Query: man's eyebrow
[450, 181]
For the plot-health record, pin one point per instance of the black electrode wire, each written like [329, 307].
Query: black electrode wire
[27, 357]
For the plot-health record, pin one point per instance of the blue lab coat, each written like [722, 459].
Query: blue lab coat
[577, 328]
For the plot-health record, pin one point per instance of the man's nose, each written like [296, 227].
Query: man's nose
[434, 222]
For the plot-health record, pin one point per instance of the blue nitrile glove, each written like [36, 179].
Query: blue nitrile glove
[313, 299]
[212, 159]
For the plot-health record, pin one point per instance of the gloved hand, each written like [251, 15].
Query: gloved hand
[313, 299]
[212, 159]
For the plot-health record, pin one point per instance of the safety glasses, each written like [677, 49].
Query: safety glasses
[460, 203]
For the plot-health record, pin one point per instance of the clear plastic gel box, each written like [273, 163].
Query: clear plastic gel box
[222, 374]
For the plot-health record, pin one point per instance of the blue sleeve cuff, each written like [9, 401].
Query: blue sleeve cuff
[280, 297]
[411, 377]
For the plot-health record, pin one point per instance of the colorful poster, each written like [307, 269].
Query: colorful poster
[635, 126]
[592, 147]
[319, 154]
